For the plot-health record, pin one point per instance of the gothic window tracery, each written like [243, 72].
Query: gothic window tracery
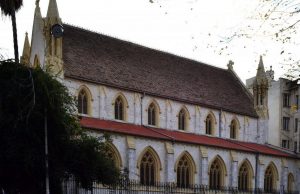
[147, 169]
[119, 108]
[209, 125]
[82, 105]
[182, 120]
[244, 179]
[183, 172]
[152, 114]
[216, 174]
[269, 180]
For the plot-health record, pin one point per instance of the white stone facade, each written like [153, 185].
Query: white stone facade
[102, 98]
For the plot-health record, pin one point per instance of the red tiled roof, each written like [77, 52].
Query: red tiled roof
[177, 136]
[101, 59]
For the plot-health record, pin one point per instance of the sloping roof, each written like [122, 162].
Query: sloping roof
[109, 61]
[182, 137]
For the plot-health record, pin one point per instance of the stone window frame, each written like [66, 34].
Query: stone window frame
[290, 183]
[183, 118]
[270, 178]
[217, 175]
[212, 118]
[124, 107]
[157, 166]
[245, 180]
[179, 170]
[157, 112]
[89, 99]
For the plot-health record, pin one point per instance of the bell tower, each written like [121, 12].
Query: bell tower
[53, 30]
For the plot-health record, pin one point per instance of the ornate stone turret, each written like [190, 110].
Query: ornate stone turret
[260, 91]
[26, 51]
[53, 44]
[260, 94]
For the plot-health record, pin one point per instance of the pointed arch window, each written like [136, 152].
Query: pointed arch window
[152, 114]
[82, 105]
[114, 155]
[244, 178]
[147, 169]
[184, 172]
[209, 125]
[182, 120]
[290, 185]
[119, 108]
[216, 175]
[233, 129]
[269, 180]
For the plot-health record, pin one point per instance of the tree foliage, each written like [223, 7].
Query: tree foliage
[72, 152]
[275, 22]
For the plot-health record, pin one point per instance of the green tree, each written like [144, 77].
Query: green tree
[9, 8]
[72, 152]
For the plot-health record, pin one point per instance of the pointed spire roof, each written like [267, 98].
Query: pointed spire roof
[52, 9]
[26, 47]
[37, 11]
[26, 51]
[261, 76]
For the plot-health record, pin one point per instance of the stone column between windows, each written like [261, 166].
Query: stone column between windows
[203, 166]
[261, 174]
[197, 120]
[137, 107]
[131, 158]
[234, 169]
[168, 114]
[284, 174]
[222, 124]
[170, 174]
[102, 96]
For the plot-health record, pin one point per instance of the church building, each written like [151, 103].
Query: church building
[171, 119]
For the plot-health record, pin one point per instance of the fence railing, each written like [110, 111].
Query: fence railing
[134, 187]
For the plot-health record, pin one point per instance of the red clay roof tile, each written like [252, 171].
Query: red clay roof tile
[178, 136]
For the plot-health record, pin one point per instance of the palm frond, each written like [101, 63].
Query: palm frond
[8, 6]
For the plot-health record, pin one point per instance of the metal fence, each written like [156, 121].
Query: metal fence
[133, 187]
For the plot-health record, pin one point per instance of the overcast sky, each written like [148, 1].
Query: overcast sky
[189, 28]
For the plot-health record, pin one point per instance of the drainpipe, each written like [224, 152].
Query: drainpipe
[220, 124]
[143, 95]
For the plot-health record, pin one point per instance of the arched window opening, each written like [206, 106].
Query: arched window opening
[269, 180]
[183, 172]
[152, 114]
[119, 109]
[233, 129]
[82, 102]
[182, 120]
[290, 187]
[114, 155]
[216, 175]
[147, 169]
[244, 178]
[209, 125]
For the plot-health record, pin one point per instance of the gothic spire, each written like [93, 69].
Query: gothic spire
[52, 9]
[26, 51]
[37, 11]
[261, 74]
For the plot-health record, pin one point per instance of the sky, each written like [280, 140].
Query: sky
[190, 28]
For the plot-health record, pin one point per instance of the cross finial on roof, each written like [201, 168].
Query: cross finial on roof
[230, 64]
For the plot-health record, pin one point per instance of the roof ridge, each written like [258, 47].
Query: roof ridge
[144, 46]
